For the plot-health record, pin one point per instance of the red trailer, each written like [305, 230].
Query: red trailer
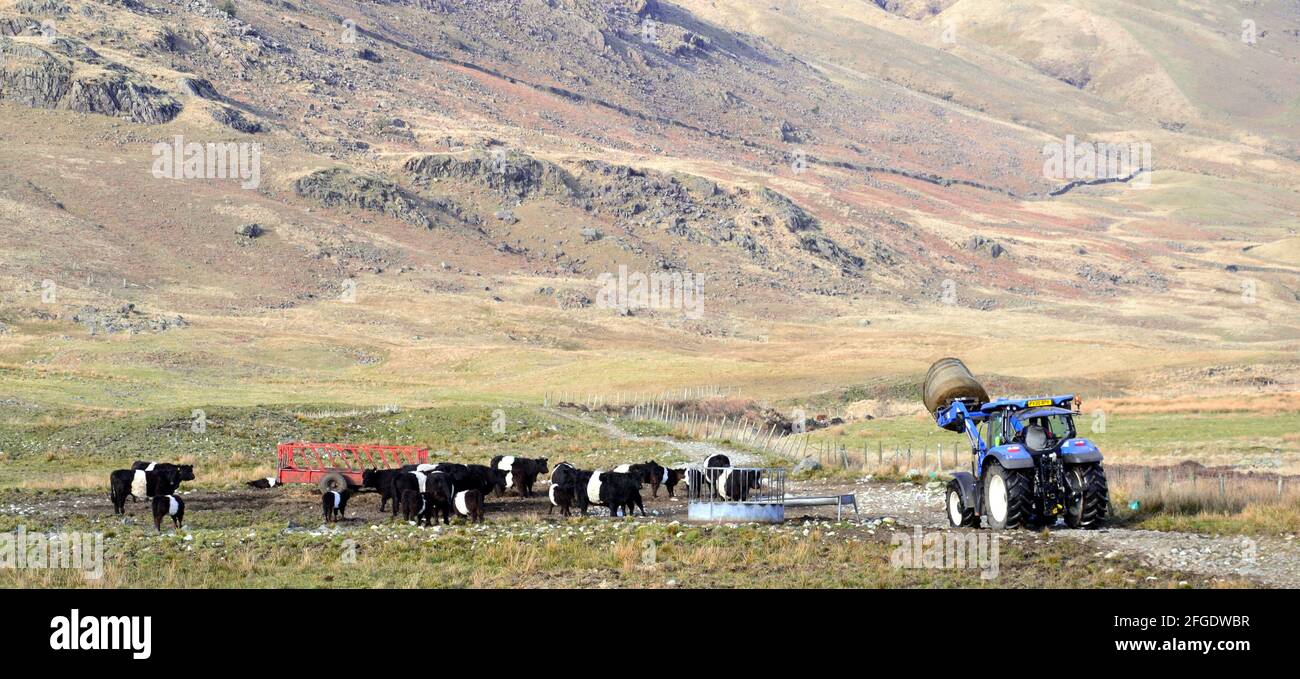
[334, 466]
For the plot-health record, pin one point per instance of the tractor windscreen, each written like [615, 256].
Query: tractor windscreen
[1056, 424]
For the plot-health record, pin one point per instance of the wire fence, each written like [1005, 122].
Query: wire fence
[620, 399]
[1193, 488]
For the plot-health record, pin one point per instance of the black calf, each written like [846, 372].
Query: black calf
[333, 503]
[416, 507]
[671, 478]
[469, 503]
[168, 505]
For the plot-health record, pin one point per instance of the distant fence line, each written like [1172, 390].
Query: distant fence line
[621, 399]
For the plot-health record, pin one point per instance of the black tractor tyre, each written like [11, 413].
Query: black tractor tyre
[959, 515]
[333, 481]
[1089, 499]
[1010, 492]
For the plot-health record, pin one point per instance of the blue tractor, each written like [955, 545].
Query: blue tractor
[1029, 466]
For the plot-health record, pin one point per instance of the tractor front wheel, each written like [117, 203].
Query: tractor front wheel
[1008, 498]
[1089, 498]
[959, 515]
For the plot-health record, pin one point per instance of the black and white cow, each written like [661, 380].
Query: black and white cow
[139, 483]
[713, 466]
[404, 481]
[263, 484]
[649, 472]
[382, 481]
[735, 484]
[561, 496]
[186, 470]
[483, 479]
[425, 467]
[168, 505]
[436, 486]
[474, 477]
[563, 473]
[521, 472]
[333, 503]
[564, 486]
[417, 507]
[469, 503]
[614, 490]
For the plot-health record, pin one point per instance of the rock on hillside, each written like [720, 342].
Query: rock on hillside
[68, 75]
[341, 187]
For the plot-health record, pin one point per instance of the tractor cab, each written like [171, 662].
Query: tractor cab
[1044, 429]
[1029, 427]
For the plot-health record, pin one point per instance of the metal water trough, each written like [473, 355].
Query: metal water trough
[736, 494]
[840, 501]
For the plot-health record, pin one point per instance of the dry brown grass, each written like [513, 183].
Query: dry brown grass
[1264, 404]
[1191, 499]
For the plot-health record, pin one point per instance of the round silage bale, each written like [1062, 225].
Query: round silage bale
[947, 380]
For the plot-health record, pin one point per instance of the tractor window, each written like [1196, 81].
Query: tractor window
[1056, 427]
[993, 431]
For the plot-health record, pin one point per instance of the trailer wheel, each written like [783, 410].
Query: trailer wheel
[1089, 498]
[959, 515]
[1008, 498]
[333, 481]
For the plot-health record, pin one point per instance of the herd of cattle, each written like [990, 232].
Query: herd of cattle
[422, 492]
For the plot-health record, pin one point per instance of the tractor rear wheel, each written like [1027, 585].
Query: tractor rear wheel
[959, 515]
[1008, 498]
[333, 481]
[1089, 499]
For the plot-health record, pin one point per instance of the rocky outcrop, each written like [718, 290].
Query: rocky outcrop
[198, 87]
[115, 94]
[235, 120]
[125, 319]
[829, 250]
[914, 9]
[988, 245]
[67, 75]
[794, 218]
[340, 187]
[515, 175]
